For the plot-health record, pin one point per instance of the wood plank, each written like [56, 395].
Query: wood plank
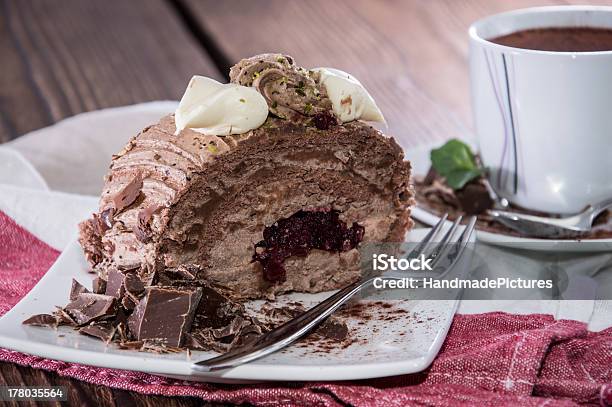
[411, 55]
[63, 58]
[86, 394]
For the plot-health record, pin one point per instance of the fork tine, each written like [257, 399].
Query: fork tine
[429, 237]
[459, 246]
[441, 247]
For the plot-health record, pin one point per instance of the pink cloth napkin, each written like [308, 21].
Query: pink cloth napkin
[487, 359]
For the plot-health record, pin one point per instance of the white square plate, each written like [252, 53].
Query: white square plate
[401, 345]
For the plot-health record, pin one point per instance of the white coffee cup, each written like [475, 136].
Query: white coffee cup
[543, 119]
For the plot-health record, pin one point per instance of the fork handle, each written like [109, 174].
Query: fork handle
[600, 207]
[285, 334]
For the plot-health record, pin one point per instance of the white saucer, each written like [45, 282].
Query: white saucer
[407, 343]
[419, 158]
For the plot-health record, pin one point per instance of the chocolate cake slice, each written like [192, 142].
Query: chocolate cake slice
[278, 208]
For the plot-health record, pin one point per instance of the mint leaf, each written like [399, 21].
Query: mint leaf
[456, 163]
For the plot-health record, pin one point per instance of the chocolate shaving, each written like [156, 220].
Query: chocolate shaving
[99, 285]
[63, 317]
[133, 284]
[114, 284]
[104, 332]
[107, 217]
[76, 289]
[128, 303]
[89, 307]
[142, 229]
[121, 332]
[186, 271]
[216, 310]
[332, 328]
[42, 320]
[128, 194]
[131, 345]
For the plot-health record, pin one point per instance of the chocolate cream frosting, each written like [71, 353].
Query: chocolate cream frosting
[190, 198]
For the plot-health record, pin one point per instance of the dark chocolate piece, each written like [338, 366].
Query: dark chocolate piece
[63, 317]
[216, 310]
[114, 284]
[133, 284]
[42, 320]
[186, 271]
[128, 303]
[107, 217]
[76, 289]
[99, 285]
[128, 194]
[300, 233]
[142, 229]
[164, 314]
[104, 332]
[90, 307]
[332, 328]
[474, 198]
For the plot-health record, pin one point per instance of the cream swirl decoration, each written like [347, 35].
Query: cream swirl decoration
[291, 92]
[295, 93]
[272, 83]
[350, 100]
[214, 108]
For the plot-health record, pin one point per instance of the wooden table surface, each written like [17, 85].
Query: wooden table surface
[60, 58]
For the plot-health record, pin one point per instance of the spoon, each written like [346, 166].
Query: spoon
[540, 226]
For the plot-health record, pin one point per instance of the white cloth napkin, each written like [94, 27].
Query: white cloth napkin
[72, 156]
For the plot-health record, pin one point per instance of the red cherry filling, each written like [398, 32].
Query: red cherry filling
[300, 233]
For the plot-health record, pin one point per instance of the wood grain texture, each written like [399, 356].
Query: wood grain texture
[85, 394]
[410, 54]
[63, 58]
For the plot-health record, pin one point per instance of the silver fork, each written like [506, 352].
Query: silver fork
[448, 248]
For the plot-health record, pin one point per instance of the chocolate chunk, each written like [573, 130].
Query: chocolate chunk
[90, 307]
[128, 194]
[76, 289]
[133, 284]
[107, 217]
[63, 317]
[164, 314]
[42, 320]
[332, 328]
[186, 271]
[142, 229]
[128, 303]
[99, 285]
[474, 198]
[216, 310]
[114, 284]
[91, 240]
[104, 332]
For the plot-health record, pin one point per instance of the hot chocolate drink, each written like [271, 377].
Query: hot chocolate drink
[561, 39]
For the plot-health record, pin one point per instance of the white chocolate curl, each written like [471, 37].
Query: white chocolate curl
[350, 100]
[218, 109]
